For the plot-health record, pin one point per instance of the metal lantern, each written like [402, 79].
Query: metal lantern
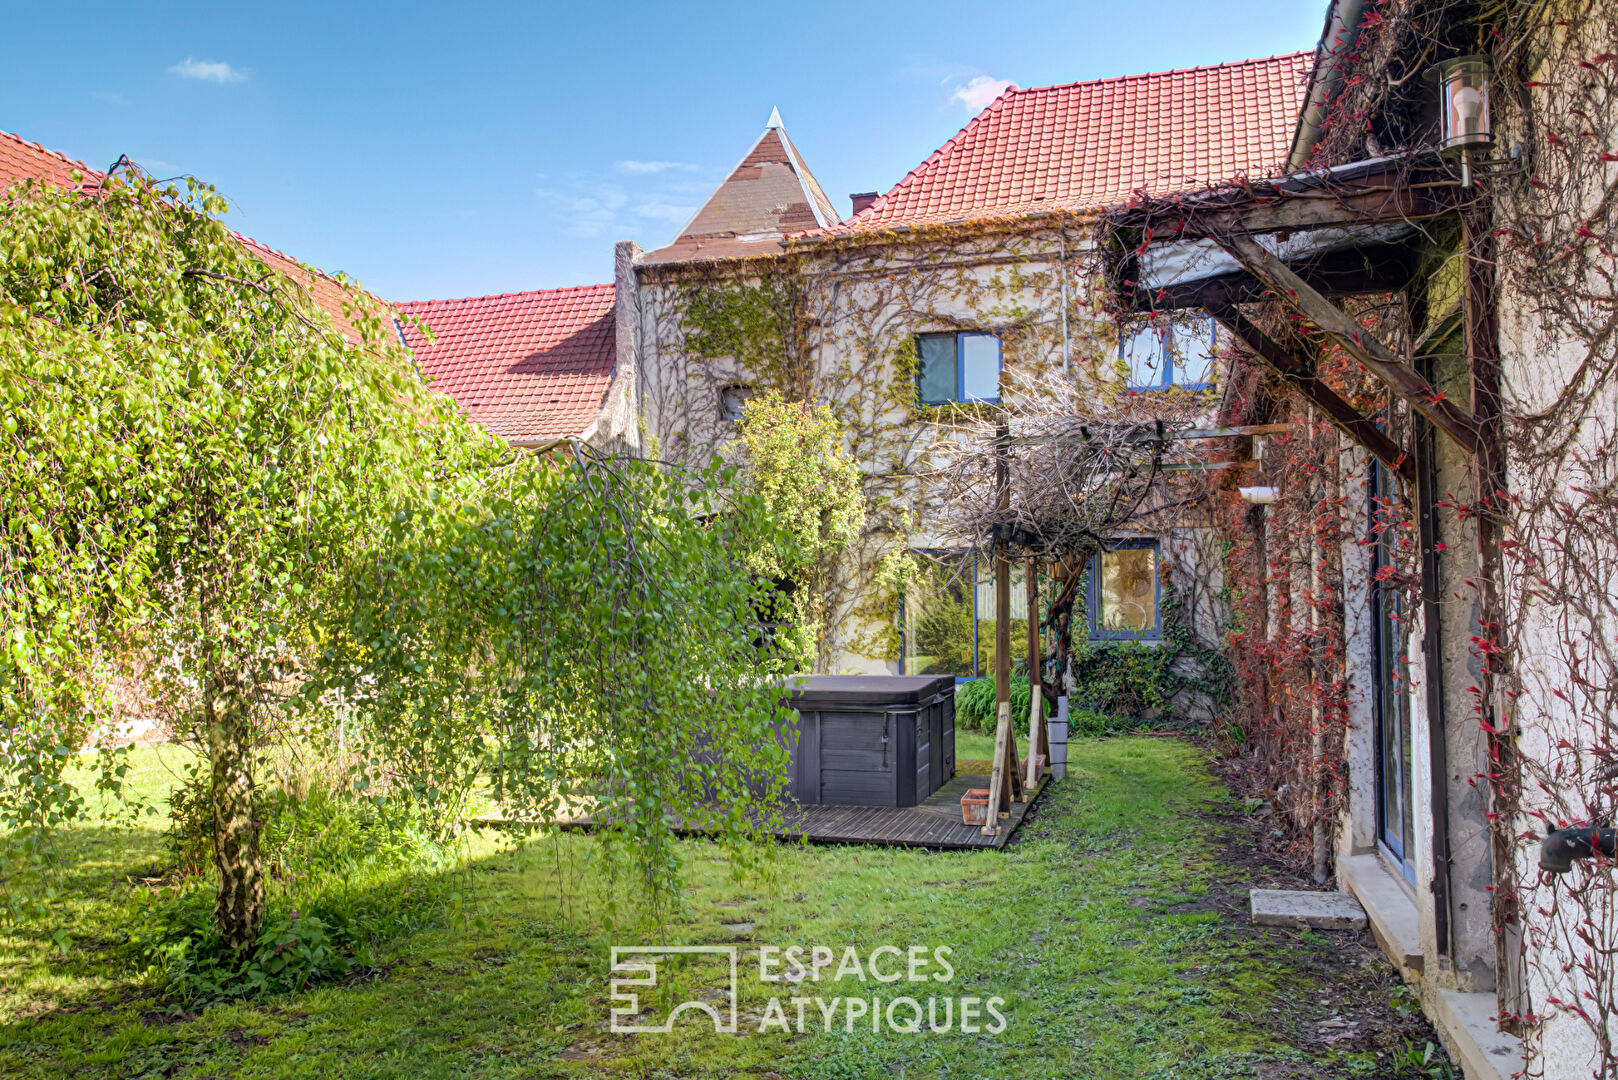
[1463, 88]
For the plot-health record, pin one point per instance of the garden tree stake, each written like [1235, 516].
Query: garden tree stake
[1038, 741]
[1003, 772]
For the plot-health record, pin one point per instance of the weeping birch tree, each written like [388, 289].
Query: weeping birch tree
[194, 459]
[200, 471]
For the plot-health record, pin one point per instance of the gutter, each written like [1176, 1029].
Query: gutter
[1337, 40]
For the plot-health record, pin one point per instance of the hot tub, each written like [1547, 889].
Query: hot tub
[872, 740]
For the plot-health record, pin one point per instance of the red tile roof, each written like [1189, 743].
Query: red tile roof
[23, 160]
[1089, 145]
[529, 366]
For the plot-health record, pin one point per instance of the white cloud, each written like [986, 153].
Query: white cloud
[644, 168]
[979, 91]
[586, 215]
[208, 71]
[111, 97]
[661, 210]
[641, 200]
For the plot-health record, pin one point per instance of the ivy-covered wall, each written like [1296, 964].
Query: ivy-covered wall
[835, 322]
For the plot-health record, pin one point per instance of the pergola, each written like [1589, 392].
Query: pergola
[1303, 240]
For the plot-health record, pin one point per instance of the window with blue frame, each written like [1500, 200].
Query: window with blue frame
[958, 366]
[1163, 354]
[1124, 591]
[947, 616]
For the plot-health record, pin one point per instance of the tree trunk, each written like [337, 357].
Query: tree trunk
[239, 912]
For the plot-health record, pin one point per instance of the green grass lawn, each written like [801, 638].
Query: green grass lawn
[970, 746]
[1112, 929]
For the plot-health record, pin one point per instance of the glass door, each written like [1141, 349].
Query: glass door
[1392, 698]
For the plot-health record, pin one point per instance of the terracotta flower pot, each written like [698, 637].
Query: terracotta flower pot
[975, 806]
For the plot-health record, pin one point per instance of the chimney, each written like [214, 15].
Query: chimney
[861, 200]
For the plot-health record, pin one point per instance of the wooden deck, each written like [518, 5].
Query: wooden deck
[934, 823]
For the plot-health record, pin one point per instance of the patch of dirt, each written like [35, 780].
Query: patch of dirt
[1363, 1004]
[241, 1039]
[160, 1017]
[375, 974]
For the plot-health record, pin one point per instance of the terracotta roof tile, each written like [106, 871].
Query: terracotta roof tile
[1088, 145]
[528, 366]
[23, 160]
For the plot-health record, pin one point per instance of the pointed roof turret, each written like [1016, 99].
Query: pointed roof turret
[769, 194]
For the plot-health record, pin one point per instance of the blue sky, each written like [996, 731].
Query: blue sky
[460, 149]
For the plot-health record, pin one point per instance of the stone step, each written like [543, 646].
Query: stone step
[1315, 910]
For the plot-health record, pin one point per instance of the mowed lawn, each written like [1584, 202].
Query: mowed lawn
[1113, 929]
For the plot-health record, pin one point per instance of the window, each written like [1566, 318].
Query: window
[733, 401]
[1392, 701]
[962, 366]
[1180, 354]
[940, 633]
[1124, 592]
[1143, 352]
[1194, 345]
[948, 616]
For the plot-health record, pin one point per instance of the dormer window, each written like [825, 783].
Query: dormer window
[957, 366]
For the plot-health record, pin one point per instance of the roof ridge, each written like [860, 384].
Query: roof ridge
[819, 204]
[53, 153]
[506, 295]
[940, 153]
[1164, 73]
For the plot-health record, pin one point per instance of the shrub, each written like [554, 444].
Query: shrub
[975, 705]
[1088, 723]
[346, 875]
[1126, 678]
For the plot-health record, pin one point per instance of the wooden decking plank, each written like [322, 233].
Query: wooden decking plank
[933, 823]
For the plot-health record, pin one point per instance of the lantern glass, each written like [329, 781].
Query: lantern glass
[1463, 86]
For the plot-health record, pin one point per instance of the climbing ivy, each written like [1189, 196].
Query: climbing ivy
[793, 462]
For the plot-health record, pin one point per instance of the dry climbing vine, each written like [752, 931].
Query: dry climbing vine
[835, 323]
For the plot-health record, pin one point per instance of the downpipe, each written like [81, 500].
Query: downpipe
[1559, 849]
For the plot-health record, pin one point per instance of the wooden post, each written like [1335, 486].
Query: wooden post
[1004, 774]
[1495, 713]
[1037, 742]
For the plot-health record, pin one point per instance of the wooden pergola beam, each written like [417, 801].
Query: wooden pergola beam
[1301, 376]
[1005, 776]
[1364, 346]
[1152, 436]
[1300, 204]
[1375, 268]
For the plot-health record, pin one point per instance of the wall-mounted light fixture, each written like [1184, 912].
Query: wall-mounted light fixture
[1463, 104]
[1463, 87]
